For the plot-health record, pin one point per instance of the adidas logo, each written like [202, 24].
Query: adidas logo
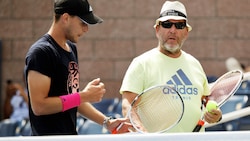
[181, 83]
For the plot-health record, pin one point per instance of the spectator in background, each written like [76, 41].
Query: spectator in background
[233, 64]
[245, 68]
[15, 105]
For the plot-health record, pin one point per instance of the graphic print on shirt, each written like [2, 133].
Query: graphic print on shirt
[73, 78]
[183, 85]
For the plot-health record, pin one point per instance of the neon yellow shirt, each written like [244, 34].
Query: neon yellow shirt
[185, 73]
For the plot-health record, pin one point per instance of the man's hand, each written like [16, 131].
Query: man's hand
[213, 116]
[93, 92]
[123, 123]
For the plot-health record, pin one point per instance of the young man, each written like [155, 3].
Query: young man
[168, 63]
[52, 75]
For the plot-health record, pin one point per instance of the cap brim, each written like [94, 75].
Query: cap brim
[165, 18]
[91, 19]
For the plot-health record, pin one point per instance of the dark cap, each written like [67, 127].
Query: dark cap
[80, 8]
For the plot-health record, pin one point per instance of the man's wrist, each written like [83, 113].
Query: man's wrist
[220, 119]
[106, 122]
[70, 101]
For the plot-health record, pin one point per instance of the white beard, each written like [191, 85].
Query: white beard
[172, 49]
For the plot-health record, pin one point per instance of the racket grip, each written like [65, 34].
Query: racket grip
[117, 128]
[198, 126]
[114, 131]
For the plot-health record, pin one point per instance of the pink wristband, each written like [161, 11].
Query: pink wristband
[70, 101]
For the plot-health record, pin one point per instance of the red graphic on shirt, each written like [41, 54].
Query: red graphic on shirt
[73, 78]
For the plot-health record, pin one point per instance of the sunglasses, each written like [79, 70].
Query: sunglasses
[178, 25]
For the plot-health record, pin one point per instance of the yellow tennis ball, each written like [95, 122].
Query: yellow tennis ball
[211, 105]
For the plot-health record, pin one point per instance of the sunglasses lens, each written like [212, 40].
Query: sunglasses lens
[166, 24]
[179, 25]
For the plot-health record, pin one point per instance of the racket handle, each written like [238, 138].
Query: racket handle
[117, 128]
[198, 126]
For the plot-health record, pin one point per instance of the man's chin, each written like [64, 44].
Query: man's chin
[173, 49]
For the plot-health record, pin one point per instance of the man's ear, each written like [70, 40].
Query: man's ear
[157, 28]
[65, 17]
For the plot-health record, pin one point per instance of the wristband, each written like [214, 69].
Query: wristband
[70, 101]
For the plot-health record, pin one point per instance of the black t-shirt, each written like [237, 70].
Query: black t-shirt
[48, 58]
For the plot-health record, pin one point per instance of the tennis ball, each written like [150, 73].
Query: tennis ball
[211, 105]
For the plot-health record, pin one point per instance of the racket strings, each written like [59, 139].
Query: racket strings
[157, 111]
[225, 87]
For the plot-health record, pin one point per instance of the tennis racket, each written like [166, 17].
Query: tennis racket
[221, 90]
[156, 110]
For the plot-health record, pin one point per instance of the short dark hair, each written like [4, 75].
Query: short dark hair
[57, 17]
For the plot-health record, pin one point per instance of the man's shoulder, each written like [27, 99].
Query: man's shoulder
[148, 54]
[189, 56]
[44, 44]
[42, 41]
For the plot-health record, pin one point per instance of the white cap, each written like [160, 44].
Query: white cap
[174, 10]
